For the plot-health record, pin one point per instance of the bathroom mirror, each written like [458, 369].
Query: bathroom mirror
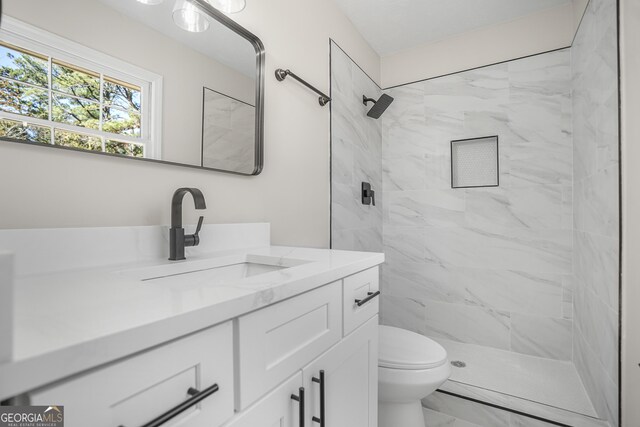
[173, 81]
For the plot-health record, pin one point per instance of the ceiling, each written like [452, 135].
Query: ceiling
[390, 26]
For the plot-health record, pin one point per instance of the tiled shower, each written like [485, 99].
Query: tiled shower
[526, 272]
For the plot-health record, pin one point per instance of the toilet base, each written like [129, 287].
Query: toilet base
[395, 414]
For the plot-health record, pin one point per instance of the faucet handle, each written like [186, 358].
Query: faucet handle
[199, 226]
[194, 239]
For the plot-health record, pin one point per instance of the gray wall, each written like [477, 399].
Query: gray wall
[487, 266]
[356, 150]
[596, 217]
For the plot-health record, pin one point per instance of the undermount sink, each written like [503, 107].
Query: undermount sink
[215, 270]
[237, 271]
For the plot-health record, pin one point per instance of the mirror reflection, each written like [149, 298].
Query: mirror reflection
[148, 79]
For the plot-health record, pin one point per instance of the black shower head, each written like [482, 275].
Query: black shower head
[379, 106]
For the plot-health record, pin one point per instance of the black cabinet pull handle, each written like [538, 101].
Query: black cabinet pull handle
[320, 420]
[369, 297]
[196, 397]
[300, 400]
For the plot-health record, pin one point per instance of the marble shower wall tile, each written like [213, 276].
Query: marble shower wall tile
[536, 251]
[404, 244]
[596, 203]
[537, 294]
[541, 336]
[487, 264]
[602, 391]
[595, 260]
[405, 173]
[444, 208]
[356, 157]
[538, 207]
[598, 325]
[595, 290]
[469, 324]
[403, 313]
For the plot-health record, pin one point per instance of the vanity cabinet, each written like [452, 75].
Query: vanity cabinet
[336, 366]
[310, 359]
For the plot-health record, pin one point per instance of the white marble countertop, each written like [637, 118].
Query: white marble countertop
[70, 321]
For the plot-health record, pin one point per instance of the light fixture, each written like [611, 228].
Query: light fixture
[150, 2]
[187, 16]
[228, 6]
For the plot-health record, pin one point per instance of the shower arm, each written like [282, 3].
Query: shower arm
[282, 74]
[366, 100]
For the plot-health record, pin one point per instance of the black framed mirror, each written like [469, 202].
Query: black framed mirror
[171, 81]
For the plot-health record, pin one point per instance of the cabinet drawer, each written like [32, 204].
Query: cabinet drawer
[136, 390]
[276, 341]
[358, 287]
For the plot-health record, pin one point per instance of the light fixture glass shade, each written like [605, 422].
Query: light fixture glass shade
[228, 6]
[187, 16]
[150, 2]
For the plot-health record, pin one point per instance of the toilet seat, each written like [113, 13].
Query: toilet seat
[402, 349]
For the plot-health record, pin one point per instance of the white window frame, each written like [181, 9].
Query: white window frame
[28, 37]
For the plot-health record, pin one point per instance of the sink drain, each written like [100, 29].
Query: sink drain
[458, 363]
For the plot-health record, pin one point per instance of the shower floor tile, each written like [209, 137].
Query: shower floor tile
[546, 381]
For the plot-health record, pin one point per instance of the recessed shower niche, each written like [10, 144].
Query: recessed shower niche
[474, 162]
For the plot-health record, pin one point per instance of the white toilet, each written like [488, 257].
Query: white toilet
[410, 367]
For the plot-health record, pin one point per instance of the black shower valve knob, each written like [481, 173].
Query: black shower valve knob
[368, 195]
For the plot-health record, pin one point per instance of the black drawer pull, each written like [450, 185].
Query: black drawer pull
[369, 297]
[300, 400]
[196, 397]
[321, 381]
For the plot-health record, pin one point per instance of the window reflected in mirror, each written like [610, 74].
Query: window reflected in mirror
[49, 101]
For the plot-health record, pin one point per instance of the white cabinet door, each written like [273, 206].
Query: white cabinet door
[350, 381]
[276, 409]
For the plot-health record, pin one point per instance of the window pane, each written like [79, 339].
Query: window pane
[76, 82]
[76, 112]
[122, 95]
[25, 131]
[124, 149]
[22, 99]
[77, 140]
[24, 67]
[116, 120]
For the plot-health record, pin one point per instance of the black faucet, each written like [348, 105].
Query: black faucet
[177, 239]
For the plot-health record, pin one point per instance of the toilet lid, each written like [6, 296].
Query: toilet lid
[402, 349]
